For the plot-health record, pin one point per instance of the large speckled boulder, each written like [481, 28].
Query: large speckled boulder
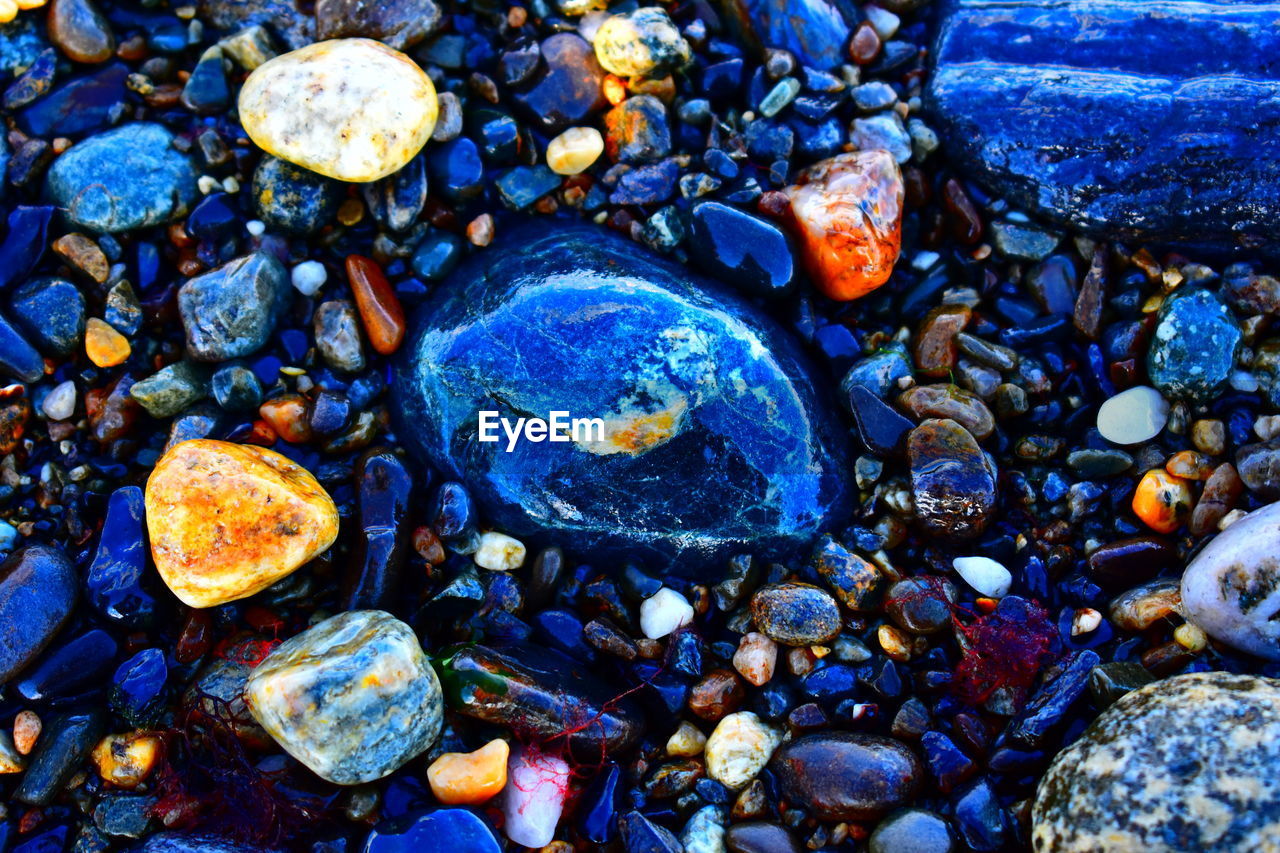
[1184, 765]
[351, 109]
[1231, 588]
[228, 520]
[714, 436]
[353, 697]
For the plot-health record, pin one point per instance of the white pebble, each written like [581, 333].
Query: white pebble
[499, 552]
[984, 574]
[664, 612]
[739, 749]
[60, 403]
[308, 277]
[255, 227]
[756, 658]
[884, 22]
[533, 797]
[1133, 416]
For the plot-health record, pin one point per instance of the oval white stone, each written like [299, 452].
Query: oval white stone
[984, 574]
[664, 612]
[351, 109]
[1133, 416]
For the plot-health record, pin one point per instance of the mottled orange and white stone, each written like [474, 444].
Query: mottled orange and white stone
[228, 520]
[847, 212]
[351, 109]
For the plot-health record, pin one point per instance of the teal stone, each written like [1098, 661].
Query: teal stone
[716, 437]
[126, 178]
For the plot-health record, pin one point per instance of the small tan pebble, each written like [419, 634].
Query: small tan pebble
[470, 778]
[126, 760]
[1209, 436]
[1085, 620]
[84, 254]
[573, 151]
[26, 730]
[686, 742]
[367, 110]
[895, 642]
[739, 748]
[480, 230]
[756, 658]
[557, 847]
[499, 552]
[800, 661]
[350, 212]
[1267, 427]
[1190, 637]
[11, 761]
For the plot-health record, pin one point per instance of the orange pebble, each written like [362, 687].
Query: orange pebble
[1190, 465]
[287, 415]
[615, 91]
[1162, 500]
[470, 778]
[104, 345]
[380, 310]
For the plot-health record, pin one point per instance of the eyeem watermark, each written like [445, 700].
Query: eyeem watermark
[557, 427]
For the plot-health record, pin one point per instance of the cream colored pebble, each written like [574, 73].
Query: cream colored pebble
[573, 151]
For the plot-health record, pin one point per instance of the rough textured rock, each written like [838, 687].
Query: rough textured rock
[1231, 588]
[231, 311]
[714, 432]
[1185, 764]
[271, 517]
[399, 24]
[353, 697]
[1155, 120]
[370, 108]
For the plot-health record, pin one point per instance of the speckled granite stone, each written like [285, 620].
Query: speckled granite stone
[716, 436]
[1185, 764]
[353, 697]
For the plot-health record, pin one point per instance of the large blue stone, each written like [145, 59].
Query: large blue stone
[1157, 120]
[717, 438]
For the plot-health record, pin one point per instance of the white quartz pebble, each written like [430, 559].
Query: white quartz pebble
[533, 797]
[664, 612]
[60, 404]
[308, 277]
[984, 574]
[1133, 416]
[499, 552]
[739, 748]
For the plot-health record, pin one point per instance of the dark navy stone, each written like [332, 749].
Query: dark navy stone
[37, 593]
[181, 842]
[647, 184]
[453, 514]
[1049, 706]
[495, 131]
[18, 358]
[696, 388]
[1156, 121]
[76, 667]
[948, 764]
[457, 830]
[437, 255]
[722, 79]
[138, 687]
[236, 388]
[570, 89]
[63, 746]
[641, 835]
[741, 249]
[24, 242]
[206, 91]
[982, 821]
[77, 107]
[597, 811]
[880, 426]
[522, 186]
[51, 313]
[293, 199]
[816, 31]
[384, 488]
[456, 170]
[396, 200]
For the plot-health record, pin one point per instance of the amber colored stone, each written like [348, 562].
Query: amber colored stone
[380, 310]
[470, 778]
[26, 731]
[104, 345]
[112, 410]
[195, 638]
[126, 760]
[1162, 500]
[1190, 465]
[720, 692]
[229, 520]
[1221, 491]
[428, 545]
[288, 417]
[83, 254]
[935, 347]
[14, 415]
[847, 211]
[965, 222]
[80, 31]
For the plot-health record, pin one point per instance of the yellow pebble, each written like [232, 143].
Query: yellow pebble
[104, 345]
[1190, 637]
[687, 741]
[573, 151]
[126, 760]
[470, 778]
[8, 11]
[31, 4]
[350, 212]
[896, 643]
[1162, 500]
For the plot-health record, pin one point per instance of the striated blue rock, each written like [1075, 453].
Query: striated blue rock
[80, 106]
[37, 592]
[443, 829]
[231, 311]
[293, 199]
[1194, 346]
[716, 438]
[51, 312]
[816, 31]
[1157, 120]
[115, 583]
[126, 178]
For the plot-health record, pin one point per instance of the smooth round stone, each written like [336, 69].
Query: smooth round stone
[228, 520]
[122, 179]
[984, 574]
[293, 199]
[37, 593]
[1133, 416]
[847, 776]
[1232, 588]
[369, 109]
[695, 390]
[1185, 764]
[398, 23]
[953, 481]
[353, 698]
[641, 43]
[911, 831]
[796, 614]
[458, 830]
[744, 250]
[757, 836]
[1193, 349]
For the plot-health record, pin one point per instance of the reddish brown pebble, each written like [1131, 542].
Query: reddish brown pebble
[864, 47]
[935, 347]
[14, 414]
[195, 638]
[288, 416]
[848, 213]
[719, 692]
[965, 223]
[380, 310]
[1221, 491]
[80, 31]
[26, 730]
[83, 254]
